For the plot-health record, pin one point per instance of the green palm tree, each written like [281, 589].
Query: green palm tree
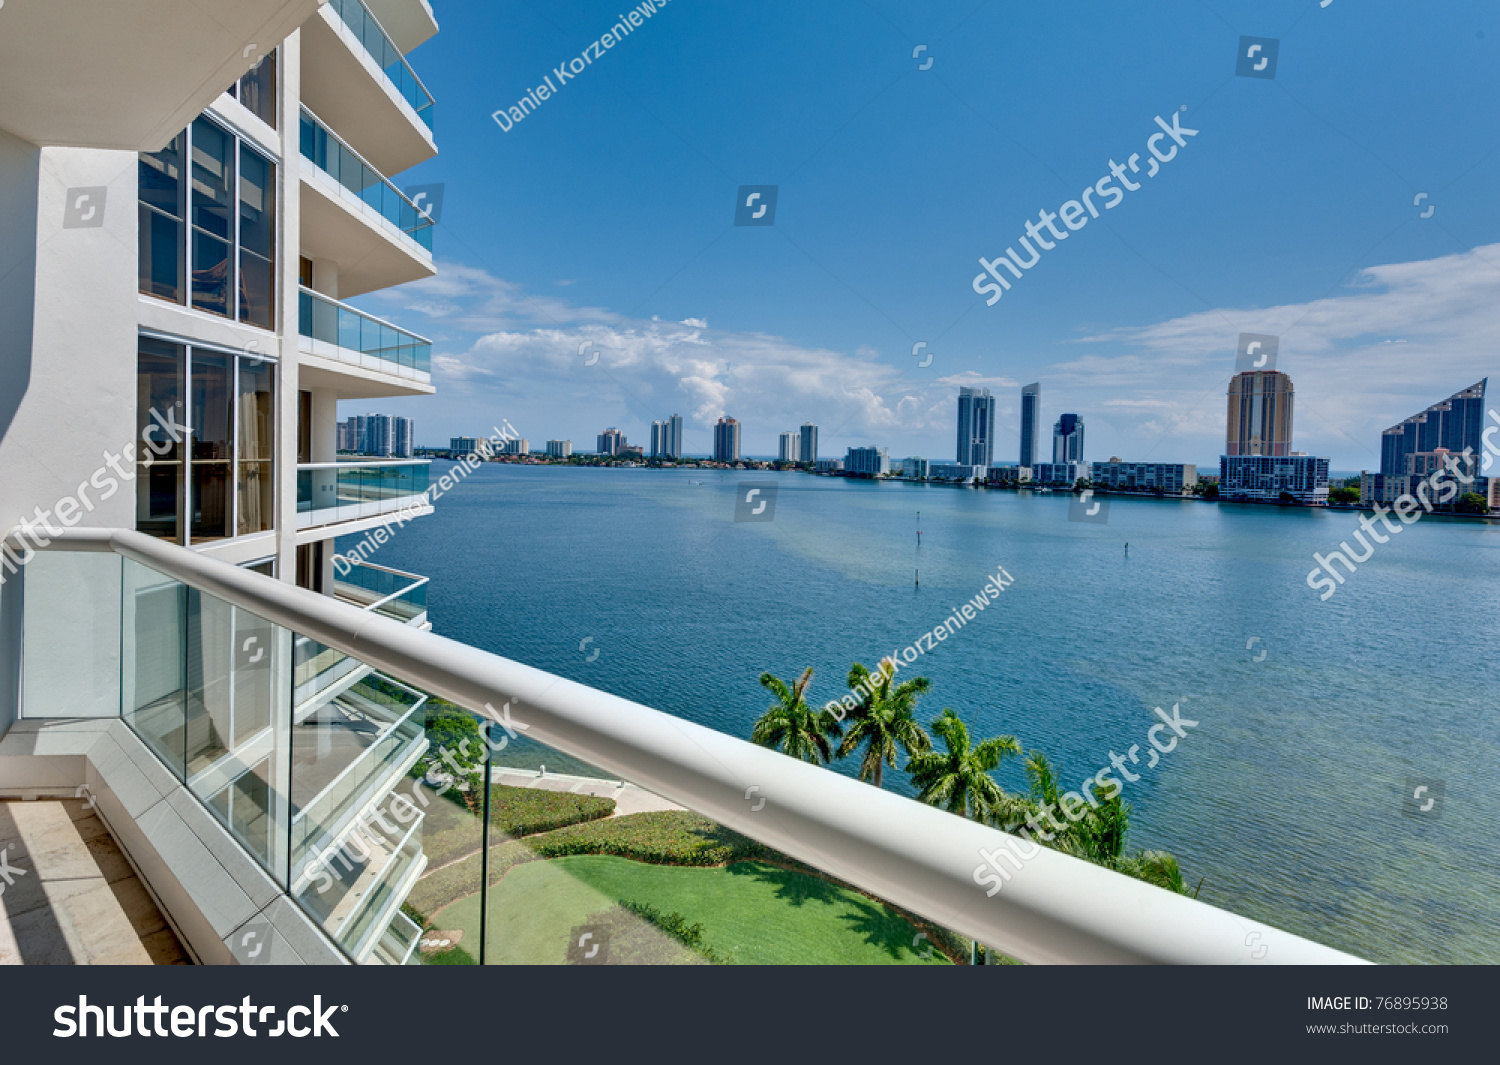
[884, 720]
[791, 726]
[959, 781]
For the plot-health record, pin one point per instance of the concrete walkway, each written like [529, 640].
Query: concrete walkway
[69, 897]
[629, 799]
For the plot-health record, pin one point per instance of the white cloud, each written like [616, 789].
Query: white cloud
[1396, 339]
[528, 351]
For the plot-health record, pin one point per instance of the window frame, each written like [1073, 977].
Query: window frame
[235, 304]
[184, 536]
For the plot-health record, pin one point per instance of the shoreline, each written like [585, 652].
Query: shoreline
[768, 467]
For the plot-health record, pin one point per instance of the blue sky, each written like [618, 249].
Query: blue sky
[605, 217]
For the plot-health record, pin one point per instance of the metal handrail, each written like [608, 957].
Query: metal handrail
[1053, 908]
[355, 464]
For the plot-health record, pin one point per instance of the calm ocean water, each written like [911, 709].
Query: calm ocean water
[1287, 799]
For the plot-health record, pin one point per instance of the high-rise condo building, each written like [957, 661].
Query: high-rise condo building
[403, 437]
[611, 442]
[1067, 439]
[791, 447]
[807, 448]
[976, 427]
[727, 440]
[673, 449]
[1260, 414]
[666, 438]
[1454, 424]
[379, 435]
[1031, 420]
[560, 449]
[190, 199]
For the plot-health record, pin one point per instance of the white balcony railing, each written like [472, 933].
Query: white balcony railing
[1052, 908]
[333, 492]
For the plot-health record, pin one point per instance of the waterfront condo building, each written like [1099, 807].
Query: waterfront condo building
[791, 447]
[1169, 478]
[559, 449]
[666, 438]
[1303, 478]
[1031, 420]
[1453, 424]
[1067, 439]
[976, 427]
[867, 461]
[192, 193]
[808, 448]
[1260, 414]
[727, 440]
[611, 442]
[1008, 473]
[1059, 473]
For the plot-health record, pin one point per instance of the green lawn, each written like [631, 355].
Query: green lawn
[752, 913]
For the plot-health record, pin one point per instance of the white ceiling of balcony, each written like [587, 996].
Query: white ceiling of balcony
[110, 74]
[408, 22]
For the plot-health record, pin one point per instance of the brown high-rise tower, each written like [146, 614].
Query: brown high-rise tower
[1260, 414]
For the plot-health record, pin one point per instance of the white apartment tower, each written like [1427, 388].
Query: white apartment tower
[791, 446]
[186, 214]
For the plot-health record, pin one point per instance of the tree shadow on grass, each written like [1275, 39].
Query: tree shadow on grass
[875, 922]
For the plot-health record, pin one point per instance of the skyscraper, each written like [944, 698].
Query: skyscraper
[403, 437]
[727, 440]
[808, 450]
[673, 441]
[611, 441]
[1067, 439]
[1455, 423]
[666, 438]
[791, 447]
[1031, 416]
[976, 427]
[379, 435]
[1260, 414]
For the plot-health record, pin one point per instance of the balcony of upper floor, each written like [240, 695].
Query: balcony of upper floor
[357, 78]
[359, 494]
[408, 23]
[129, 76]
[320, 673]
[398, 945]
[391, 593]
[353, 217]
[358, 355]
